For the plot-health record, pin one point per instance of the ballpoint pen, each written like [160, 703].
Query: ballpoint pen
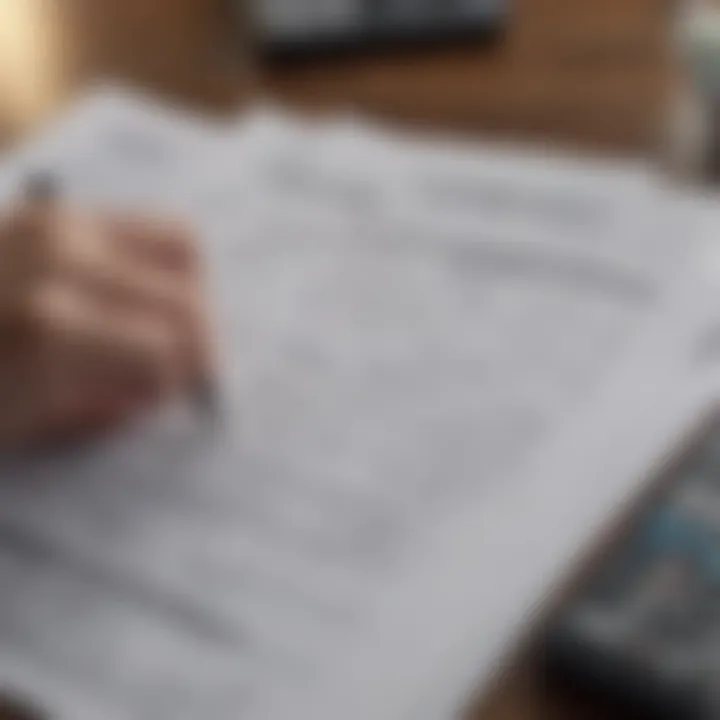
[41, 187]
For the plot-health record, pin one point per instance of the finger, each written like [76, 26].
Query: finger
[163, 243]
[123, 282]
[169, 299]
[44, 244]
[138, 354]
[86, 348]
[78, 425]
[169, 247]
[138, 289]
[25, 244]
[75, 416]
[127, 288]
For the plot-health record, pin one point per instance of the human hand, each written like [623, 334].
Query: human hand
[100, 318]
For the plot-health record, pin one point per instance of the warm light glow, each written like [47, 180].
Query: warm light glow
[30, 59]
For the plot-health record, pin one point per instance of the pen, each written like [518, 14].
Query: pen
[43, 187]
[206, 398]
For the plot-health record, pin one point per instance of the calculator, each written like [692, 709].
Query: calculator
[295, 28]
[644, 632]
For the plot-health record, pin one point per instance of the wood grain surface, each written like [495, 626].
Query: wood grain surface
[589, 72]
[595, 73]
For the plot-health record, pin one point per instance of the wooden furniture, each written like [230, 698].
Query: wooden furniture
[594, 73]
[587, 72]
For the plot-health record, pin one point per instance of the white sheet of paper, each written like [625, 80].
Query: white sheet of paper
[120, 148]
[393, 377]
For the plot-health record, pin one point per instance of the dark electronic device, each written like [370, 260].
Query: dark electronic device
[645, 632]
[304, 28]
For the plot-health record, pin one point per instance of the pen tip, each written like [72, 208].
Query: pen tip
[41, 186]
[207, 399]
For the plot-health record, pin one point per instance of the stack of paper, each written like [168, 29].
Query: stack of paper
[444, 365]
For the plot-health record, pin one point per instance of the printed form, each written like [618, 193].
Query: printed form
[406, 328]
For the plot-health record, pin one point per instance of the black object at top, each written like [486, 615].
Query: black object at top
[387, 25]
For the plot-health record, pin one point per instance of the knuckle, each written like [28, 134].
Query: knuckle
[158, 342]
[38, 311]
[26, 223]
[31, 228]
[158, 355]
[181, 300]
[53, 313]
[183, 240]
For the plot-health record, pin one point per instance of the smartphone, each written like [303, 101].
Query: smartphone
[644, 630]
[295, 28]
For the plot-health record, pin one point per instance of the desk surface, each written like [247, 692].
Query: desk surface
[588, 72]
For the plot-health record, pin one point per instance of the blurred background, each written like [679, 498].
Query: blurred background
[593, 72]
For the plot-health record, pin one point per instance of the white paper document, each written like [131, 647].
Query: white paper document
[420, 343]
